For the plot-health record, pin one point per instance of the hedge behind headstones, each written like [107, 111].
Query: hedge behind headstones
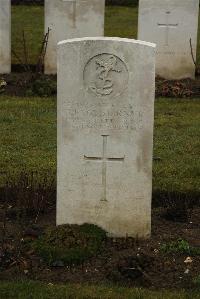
[108, 2]
[123, 2]
[27, 2]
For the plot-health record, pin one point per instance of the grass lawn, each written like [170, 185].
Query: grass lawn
[34, 290]
[28, 140]
[31, 20]
[119, 21]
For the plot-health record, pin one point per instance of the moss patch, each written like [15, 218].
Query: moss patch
[70, 244]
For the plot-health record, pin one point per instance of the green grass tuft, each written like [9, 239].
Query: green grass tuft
[179, 246]
[196, 281]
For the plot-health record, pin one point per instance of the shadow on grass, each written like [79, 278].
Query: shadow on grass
[29, 194]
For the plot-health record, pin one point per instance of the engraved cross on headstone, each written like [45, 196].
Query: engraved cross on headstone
[167, 27]
[73, 2]
[104, 160]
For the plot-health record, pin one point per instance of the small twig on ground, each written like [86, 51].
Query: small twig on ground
[20, 61]
[42, 52]
[25, 49]
[4, 221]
[192, 53]
[23, 63]
[144, 273]
[39, 210]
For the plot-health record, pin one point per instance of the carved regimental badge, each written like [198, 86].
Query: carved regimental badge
[105, 75]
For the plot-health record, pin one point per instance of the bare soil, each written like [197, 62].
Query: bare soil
[126, 262]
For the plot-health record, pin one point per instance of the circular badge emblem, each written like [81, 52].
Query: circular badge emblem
[105, 75]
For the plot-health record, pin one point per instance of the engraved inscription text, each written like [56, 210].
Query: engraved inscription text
[88, 116]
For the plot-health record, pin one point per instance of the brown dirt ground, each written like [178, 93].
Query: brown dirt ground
[125, 262]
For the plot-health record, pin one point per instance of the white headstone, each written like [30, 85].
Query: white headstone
[171, 24]
[105, 134]
[5, 44]
[71, 19]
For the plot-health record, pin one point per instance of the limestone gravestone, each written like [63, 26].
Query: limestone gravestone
[105, 134]
[171, 24]
[71, 19]
[5, 47]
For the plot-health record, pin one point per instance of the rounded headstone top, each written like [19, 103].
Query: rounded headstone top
[112, 39]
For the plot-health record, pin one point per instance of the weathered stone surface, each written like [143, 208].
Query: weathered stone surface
[71, 19]
[5, 43]
[105, 134]
[170, 24]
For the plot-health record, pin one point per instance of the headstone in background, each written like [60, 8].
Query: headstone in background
[70, 19]
[171, 24]
[105, 134]
[5, 36]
